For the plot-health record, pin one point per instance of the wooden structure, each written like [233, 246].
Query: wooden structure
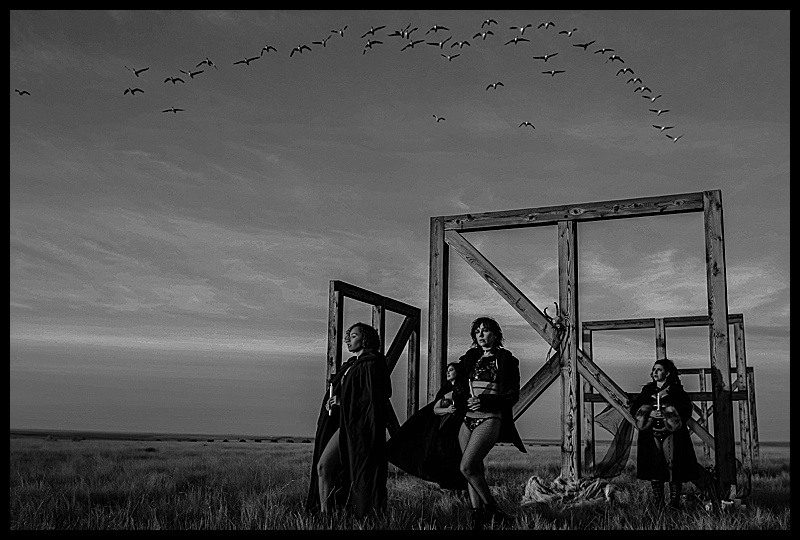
[570, 362]
[408, 333]
[743, 388]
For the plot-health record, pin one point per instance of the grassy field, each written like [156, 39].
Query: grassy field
[80, 483]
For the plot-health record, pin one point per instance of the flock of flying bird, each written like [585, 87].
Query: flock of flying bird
[406, 35]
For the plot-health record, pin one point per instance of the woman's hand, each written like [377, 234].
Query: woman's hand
[473, 403]
[656, 413]
[451, 409]
[333, 401]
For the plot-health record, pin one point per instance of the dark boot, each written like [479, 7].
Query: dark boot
[657, 495]
[675, 495]
[477, 518]
[495, 515]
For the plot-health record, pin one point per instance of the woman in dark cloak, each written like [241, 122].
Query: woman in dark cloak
[665, 452]
[350, 466]
[426, 445]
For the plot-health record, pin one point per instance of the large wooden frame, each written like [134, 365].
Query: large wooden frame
[408, 332]
[570, 362]
[743, 387]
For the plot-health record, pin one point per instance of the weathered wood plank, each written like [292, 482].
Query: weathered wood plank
[661, 339]
[408, 325]
[412, 386]
[592, 211]
[604, 385]
[334, 356]
[695, 396]
[437, 306]
[751, 396]
[588, 410]
[537, 384]
[369, 297]
[669, 322]
[379, 324]
[745, 436]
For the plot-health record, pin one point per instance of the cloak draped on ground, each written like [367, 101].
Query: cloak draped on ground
[364, 387]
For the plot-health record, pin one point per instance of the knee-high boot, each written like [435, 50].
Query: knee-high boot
[657, 495]
[675, 494]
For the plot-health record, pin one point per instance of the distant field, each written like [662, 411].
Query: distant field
[68, 481]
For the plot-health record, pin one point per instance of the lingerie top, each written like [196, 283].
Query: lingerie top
[484, 379]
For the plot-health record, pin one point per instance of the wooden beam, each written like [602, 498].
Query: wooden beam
[751, 395]
[412, 386]
[537, 384]
[661, 339]
[588, 409]
[694, 396]
[437, 306]
[335, 307]
[669, 322]
[605, 386]
[745, 435]
[551, 215]
[379, 324]
[369, 297]
[400, 339]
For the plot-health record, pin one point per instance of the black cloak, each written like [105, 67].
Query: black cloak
[650, 461]
[426, 445]
[364, 387]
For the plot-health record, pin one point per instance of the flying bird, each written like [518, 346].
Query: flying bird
[624, 70]
[653, 98]
[568, 32]
[172, 110]
[340, 32]
[584, 45]
[268, 48]
[324, 42]
[412, 43]
[526, 123]
[440, 43]
[659, 111]
[603, 51]
[405, 33]
[545, 57]
[372, 30]
[553, 72]
[173, 80]
[450, 57]
[247, 60]
[137, 71]
[132, 91]
[516, 39]
[299, 49]
[208, 62]
[546, 24]
[614, 57]
[488, 22]
[662, 128]
[438, 118]
[483, 34]
[22, 92]
[191, 74]
[635, 80]
[520, 28]
[370, 43]
[436, 28]
[674, 139]
[495, 85]
[461, 44]
[642, 89]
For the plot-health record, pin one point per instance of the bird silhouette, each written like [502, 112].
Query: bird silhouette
[526, 123]
[652, 98]
[436, 28]
[405, 33]
[438, 118]
[172, 110]
[488, 22]
[635, 80]
[546, 25]
[520, 28]
[545, 57]
[483, 34]
[268, 48]
[450, 56]
[173, 80]
[584, 45]
[412, 43]
[516, 39]
[340, 32]
[674, 139]
[137, 71]
[568, 32]
[247, 60]
[191, 74]
[440, 44]
[372, 30]
[603, 51]
[659, 111]
[642, 89]
[299, 49]
[495, 85]
[624, 70]
[553, 72]
[132, 91]
[460, 44]
[662, 128]
[324, 42]
[370, 43]
[22, 92]
[614, 57]
[208, 62]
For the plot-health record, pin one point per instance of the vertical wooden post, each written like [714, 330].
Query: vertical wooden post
[661, 339]
[588, 409]
[570, 385]
[437, 306]
[751, 397]
[704, 413]
[716, 280]
[412, 394]
[379, 324]
[745, 436]
[334, 331]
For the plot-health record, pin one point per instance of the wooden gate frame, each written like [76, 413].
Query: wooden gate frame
[408, 332]
[743, 387]
[569, 362]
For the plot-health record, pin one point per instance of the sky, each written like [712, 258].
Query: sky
[169, 271]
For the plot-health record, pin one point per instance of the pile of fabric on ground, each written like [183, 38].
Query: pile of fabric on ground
[566, 492]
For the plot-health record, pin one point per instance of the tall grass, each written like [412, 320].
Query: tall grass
[64, 484]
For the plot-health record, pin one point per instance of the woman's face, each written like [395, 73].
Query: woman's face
[659, 374]
[354, 340]
[484, 336]
[451, 373]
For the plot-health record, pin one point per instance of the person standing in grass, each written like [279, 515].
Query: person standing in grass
[493, 386]
[350, 465]
[665, 452]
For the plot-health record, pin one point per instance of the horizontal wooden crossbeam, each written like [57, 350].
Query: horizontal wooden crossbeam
[669, 322]
[369, 297]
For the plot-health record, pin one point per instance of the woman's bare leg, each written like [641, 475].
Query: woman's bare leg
[326, 469]
[475, 446]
